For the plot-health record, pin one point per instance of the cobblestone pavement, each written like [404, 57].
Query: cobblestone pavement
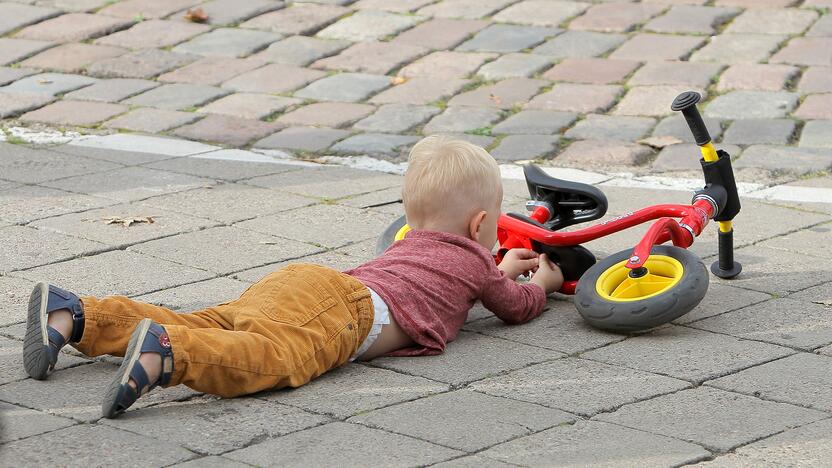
[743, 380]
[572, 83]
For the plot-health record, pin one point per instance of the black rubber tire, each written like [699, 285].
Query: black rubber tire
[389, 235]
[636, 316]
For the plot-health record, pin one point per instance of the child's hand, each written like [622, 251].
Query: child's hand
[548, 275]
[518, 261]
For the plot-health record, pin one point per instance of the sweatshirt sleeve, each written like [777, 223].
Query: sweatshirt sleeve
[510, 301]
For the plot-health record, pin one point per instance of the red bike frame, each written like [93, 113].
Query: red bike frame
[677, 223]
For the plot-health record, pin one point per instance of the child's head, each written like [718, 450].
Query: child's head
[453, 186]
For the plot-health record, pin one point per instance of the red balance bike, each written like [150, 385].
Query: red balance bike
[635, 289]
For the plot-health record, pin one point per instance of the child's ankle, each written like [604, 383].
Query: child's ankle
[61, 320]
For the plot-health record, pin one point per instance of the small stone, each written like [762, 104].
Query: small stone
[112, 90]
[738, 48]
[227, 130]
[300, 50]
[692, 19]
[371, 57]
[817, 134]
[368, 25]
[536, 122]
[14, 104]
[772, 21]
[150, 120]
[225, 12]
[396, 118]
[147, 9]
[505, 94]
[300, 18]
[605, 153]
[71, 58]
[676, 126]
[756, 76]
[506, 38]
[462, 119]
[579, 44]
[676, 73]
[591, 70]
[420, 90]
[13, 50]
[615, 17]
[440, 33]
[816, 106]
[73, 27]
[273, 79]
[514, 66]
[153, 34]
[584, 98]
[541, 12]
[779, 158]
[806, 51]
[49, 83]
[686, 157]
[608, 127]
[345, 87]
[228, 42]
[525, 147]
[302, 138]
[176, 96]
[327, 114]
[816, 80]
[249, 105]
[657, 47]
[471, 9]
[145, 63]
[74, 113]
[211, 70]
[754, 131]
[447, 64]
[15, 16]
[752, 105]
[650, 100]
[374, 144]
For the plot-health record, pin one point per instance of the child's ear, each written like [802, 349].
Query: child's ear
[474, 225]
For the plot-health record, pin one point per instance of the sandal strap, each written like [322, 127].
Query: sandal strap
[56, 342]
[63, 299]
[127, 396]
[139, 375]
[159, 343]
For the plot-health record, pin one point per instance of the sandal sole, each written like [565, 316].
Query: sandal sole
[109, 407]
[36, 341]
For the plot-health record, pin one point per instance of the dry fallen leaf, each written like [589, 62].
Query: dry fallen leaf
[128, 220]
[496, 99]
[197, 15]
[397, 80]
[660, 141]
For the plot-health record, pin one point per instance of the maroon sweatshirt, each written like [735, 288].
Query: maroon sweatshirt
[430, 280]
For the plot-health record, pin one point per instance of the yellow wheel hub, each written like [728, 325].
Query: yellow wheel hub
[615, 284]
[401, 232]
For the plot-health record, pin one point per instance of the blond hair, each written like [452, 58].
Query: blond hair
[449, 179]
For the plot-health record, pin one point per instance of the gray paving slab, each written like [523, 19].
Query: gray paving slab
[12, 105]
[304, 224]
[150, 120]
[177, 96]
[145, 63]
[14, 299]
[473, 461]
[603, 127]
[526, 147]
[27, 247]
[84, 445]
[756, 131]
[462, 119]
[817, 134]
[355, 389]
[345, 87]
[470, 357]
[752, 105]
[112, 90]
[327, 182]
[375, 144]
[813, 241]
[579, 386]
[243, 421]
[117, 272]
[11, 366]
[130, 183]
[212, 462]
[558, 328]
[302, 139]
[196, 296]
[686, 353]
[368, 25]
[396, 118]
[48, 83]
[717, 419]
[777, 272]
[722, 298]
[505, 38]
[345, 443]
[301, 50]
[228, 42]
[535, 122]
[27, 165]
[9, 74]
[13, 50]
[592, 443]
[801, 379]
[30, 202]
[20, 422]
[480, 420]
[335, 259]
[223, 12]
[809, 445]
[820, 294]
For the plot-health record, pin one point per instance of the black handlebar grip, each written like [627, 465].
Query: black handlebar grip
[686, 102]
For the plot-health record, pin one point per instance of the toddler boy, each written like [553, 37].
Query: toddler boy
[303, 320]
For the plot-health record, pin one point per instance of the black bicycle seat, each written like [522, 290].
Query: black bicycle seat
[573, 202]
